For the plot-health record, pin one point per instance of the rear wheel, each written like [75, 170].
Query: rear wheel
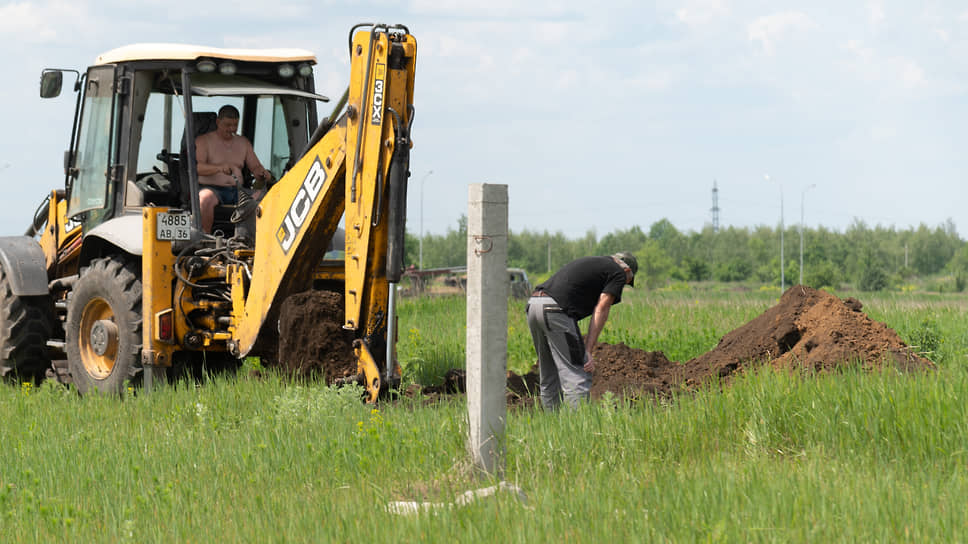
[104, 327]
[25, 327]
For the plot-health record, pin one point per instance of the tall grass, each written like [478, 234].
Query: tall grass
[773, 457]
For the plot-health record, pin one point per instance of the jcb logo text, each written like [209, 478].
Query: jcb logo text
[299, 209]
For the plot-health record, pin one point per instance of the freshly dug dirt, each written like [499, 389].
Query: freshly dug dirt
[312, 342]
[807, 329]
[622, 370]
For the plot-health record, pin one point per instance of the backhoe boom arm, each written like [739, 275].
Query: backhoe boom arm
[357, 170]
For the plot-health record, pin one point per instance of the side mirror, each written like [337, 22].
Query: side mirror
[51, 82]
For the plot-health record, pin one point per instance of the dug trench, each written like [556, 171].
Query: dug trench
[807, 329]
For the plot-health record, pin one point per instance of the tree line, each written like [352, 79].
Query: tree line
[864, 257]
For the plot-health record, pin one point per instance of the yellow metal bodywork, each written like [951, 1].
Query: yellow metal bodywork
[163, 293]
[366, 287]
[157, 282]
[60, 239]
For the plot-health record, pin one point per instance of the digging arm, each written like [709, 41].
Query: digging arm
[357, 170]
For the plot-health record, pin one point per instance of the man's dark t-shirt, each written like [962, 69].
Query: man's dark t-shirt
[577, 286]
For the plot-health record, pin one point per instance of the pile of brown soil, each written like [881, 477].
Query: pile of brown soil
[807, 329]
[312, 342]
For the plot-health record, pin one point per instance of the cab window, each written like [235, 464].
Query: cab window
[95, 144]
[271, 135]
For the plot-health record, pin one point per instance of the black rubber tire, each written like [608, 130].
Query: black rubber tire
[104, 327]
[25, 327]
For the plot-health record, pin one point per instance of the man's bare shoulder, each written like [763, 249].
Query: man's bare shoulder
[204, 138]
[236, 138]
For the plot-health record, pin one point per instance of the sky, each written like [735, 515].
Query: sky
[598, 116]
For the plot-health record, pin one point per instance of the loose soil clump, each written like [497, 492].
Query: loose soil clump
[808, 329]
[312, 341]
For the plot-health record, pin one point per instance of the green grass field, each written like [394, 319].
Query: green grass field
[844, 457]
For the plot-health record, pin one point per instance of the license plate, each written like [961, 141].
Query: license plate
[174, 226]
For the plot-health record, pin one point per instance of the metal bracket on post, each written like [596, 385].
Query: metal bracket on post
[484, 245]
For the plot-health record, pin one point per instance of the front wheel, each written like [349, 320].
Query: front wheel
[104, 327]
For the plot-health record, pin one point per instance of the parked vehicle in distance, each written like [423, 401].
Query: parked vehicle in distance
[453, 281]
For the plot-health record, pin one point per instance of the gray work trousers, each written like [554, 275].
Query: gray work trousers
[561, 354]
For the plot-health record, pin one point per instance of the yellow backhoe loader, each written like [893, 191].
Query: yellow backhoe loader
[115, 273]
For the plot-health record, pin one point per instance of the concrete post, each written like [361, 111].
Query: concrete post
[487, 318]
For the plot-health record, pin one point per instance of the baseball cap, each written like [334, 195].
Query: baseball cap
[630, 262]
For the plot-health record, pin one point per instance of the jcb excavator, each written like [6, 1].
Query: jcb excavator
[115, 273]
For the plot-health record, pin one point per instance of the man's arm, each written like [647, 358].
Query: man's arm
[595, 326]
[252, 161]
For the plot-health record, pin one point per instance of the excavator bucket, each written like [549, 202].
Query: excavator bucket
[367, 368]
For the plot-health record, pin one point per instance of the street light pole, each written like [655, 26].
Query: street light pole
[422, 180]
[802, 196]
[782, 271]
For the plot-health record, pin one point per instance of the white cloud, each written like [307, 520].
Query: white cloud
[859, 50]
[553, 33]
[883, 133]
[567, 79]
[911, 73]
[523, 56]
[701, 12]
[655, 81]
[897, 73]
[876, 12]
[34, 23]
[491, 9]
[770, 29]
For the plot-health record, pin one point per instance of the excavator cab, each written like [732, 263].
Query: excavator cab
[141, 107]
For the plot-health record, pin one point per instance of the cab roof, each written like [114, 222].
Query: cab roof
[171, 51]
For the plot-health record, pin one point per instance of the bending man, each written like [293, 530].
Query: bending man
[221, 154]
[588, 286]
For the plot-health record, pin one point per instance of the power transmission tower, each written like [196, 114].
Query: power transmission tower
[715, 208]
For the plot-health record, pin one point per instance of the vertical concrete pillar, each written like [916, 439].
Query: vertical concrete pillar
[487, 318]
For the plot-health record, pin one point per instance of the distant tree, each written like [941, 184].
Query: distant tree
[868, 258]
[729, 252]
[930, 250]
[411, 249]
[872, 278]
[449, 249]
[693, 269]
[735, 269]
[872, 275]
[622, 240]
[821, 274]
[655, 266]
[958, 267]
